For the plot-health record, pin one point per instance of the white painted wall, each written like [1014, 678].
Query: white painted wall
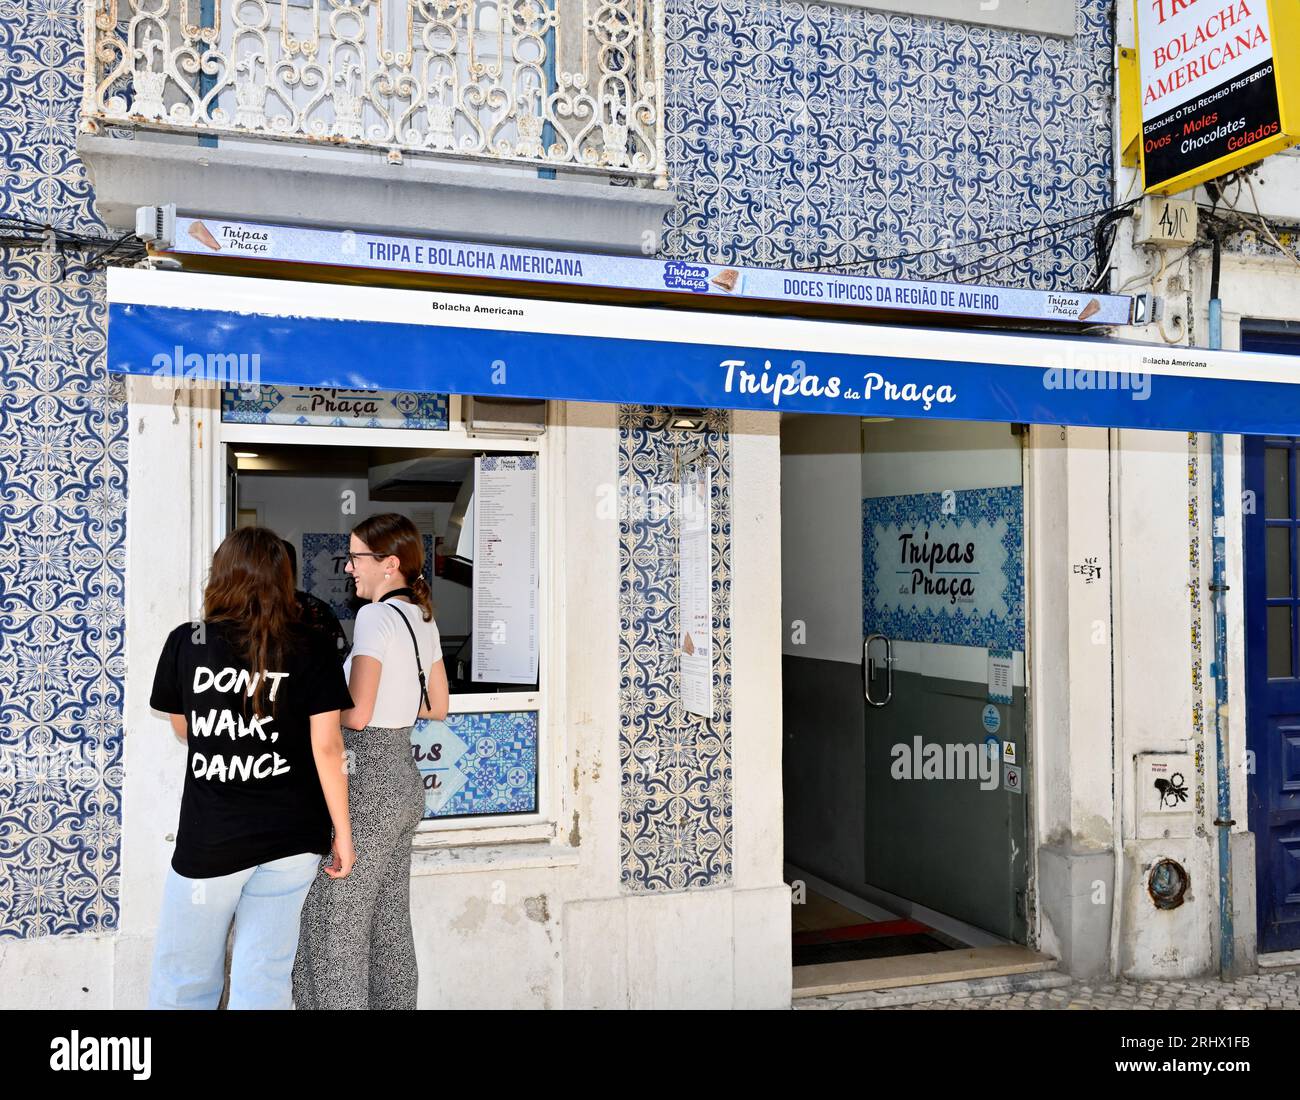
[928, 456]
[821, 537]
[1069, 658]
[1154, 696]
[1153, 615]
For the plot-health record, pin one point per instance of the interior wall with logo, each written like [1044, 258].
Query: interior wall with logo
[937, 468]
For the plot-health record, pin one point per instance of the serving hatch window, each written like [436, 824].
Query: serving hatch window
[477, 502]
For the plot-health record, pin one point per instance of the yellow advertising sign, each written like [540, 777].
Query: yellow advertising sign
[1218, 86]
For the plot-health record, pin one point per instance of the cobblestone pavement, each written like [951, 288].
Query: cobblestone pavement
[1276, 989]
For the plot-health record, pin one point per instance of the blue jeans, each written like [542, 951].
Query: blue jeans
[189, 958]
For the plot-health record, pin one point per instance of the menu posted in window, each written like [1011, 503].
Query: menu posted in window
[505, 569]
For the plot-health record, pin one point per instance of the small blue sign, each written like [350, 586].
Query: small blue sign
[679, 275]
[992, 718]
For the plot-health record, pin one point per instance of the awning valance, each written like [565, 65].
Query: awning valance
[247, 331]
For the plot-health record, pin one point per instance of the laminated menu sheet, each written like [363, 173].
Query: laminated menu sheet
[695, 593]
[505, 569]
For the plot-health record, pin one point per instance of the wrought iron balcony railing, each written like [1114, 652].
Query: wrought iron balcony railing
[571, 84]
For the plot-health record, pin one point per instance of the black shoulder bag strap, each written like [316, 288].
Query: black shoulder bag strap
[419, 664]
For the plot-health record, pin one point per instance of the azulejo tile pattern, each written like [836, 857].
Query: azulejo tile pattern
[806, 135]
[676, 781]
[62, 580]
[999, 628]
[62, 512]
[475, 764]
[801, 135]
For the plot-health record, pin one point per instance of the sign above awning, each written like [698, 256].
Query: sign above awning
[1219, 87]
[183, 326]
[213, 239]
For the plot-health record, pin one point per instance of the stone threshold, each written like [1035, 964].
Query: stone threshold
[964, 965]
[940, 991]
[1279, 960]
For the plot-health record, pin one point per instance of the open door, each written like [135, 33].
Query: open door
[944, 726]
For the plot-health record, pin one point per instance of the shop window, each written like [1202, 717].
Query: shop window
[478, 502]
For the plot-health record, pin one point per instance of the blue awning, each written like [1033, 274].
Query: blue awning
[244, 331]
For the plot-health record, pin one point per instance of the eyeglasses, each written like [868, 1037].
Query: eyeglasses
[352, 558]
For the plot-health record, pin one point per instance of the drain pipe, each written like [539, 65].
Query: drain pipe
[1223, 820]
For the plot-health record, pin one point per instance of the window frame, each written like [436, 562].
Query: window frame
[548, 446]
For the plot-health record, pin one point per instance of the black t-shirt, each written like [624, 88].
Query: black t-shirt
[252, 793]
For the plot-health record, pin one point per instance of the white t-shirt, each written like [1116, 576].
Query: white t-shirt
[378, 634]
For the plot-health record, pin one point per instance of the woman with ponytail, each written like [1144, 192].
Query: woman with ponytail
[256, 697]
[356, 949]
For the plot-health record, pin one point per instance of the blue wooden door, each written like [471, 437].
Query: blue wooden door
[1271, 532]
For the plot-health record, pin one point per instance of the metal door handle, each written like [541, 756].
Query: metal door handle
[868, 667]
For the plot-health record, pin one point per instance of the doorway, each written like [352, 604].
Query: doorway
[1271, 542]
[906, 763]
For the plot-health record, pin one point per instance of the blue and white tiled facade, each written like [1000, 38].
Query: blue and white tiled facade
[676, 790]
[799, 135]
[62, 513]
[808, 135]
[819, 136]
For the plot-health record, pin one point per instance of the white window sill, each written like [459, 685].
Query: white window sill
[471, 858]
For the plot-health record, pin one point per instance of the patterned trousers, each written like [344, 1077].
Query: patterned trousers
[355, 948]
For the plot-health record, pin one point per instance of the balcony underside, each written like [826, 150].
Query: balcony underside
[267, 181]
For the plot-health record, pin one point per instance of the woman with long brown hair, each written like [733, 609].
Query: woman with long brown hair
[357, 949]
[256, 697]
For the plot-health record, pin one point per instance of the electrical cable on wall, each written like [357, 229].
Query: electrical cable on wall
[1268, 232]
[1055, 242]
[1032, 233]
[23, 234]
[1239, 219]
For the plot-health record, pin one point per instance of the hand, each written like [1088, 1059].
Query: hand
[344, 856]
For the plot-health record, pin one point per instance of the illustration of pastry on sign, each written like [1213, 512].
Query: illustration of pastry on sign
[203, 235]
[1092, 307]
[726, 279]
[688, 646]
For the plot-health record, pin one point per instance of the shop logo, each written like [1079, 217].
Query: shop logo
[679, 275]
[241, 369]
